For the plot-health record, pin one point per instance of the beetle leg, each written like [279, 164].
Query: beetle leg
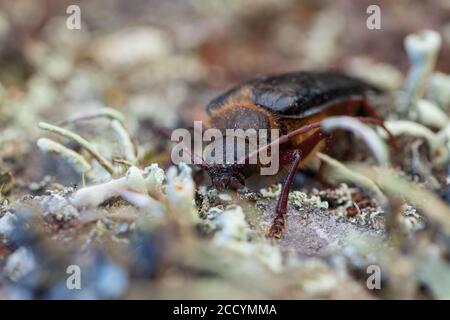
[315, 125]
[362, 103]
[302, 150]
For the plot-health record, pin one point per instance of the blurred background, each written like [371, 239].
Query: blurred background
[160, 62]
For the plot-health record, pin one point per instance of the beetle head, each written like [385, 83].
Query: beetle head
[228, 173]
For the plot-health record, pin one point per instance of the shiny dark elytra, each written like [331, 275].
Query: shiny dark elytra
[298, 94]
[295, 103]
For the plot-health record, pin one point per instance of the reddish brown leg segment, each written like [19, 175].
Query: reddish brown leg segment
[278, 224]
[303, 149]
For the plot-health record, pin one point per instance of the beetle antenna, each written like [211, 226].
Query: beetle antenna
[166, 132]
[283, 139]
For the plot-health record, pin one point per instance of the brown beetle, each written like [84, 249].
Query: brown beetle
[294, 103]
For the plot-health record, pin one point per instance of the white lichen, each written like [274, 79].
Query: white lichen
[272, 191]
[439, 90]
[58, 206]
[296, 197]
[439, 142]
[410, 128]
[342, 173]
[154, 178]
[399, 186]
[95, 195]
[7, 223]
[430, 114]
[381, 74]
[82, 142]
[373, 141]
[410, 219]
[125, 142]
[180, 190]
[143, 201]
[300, 199]
[341, 196]
[232, 226]
[321, 43]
